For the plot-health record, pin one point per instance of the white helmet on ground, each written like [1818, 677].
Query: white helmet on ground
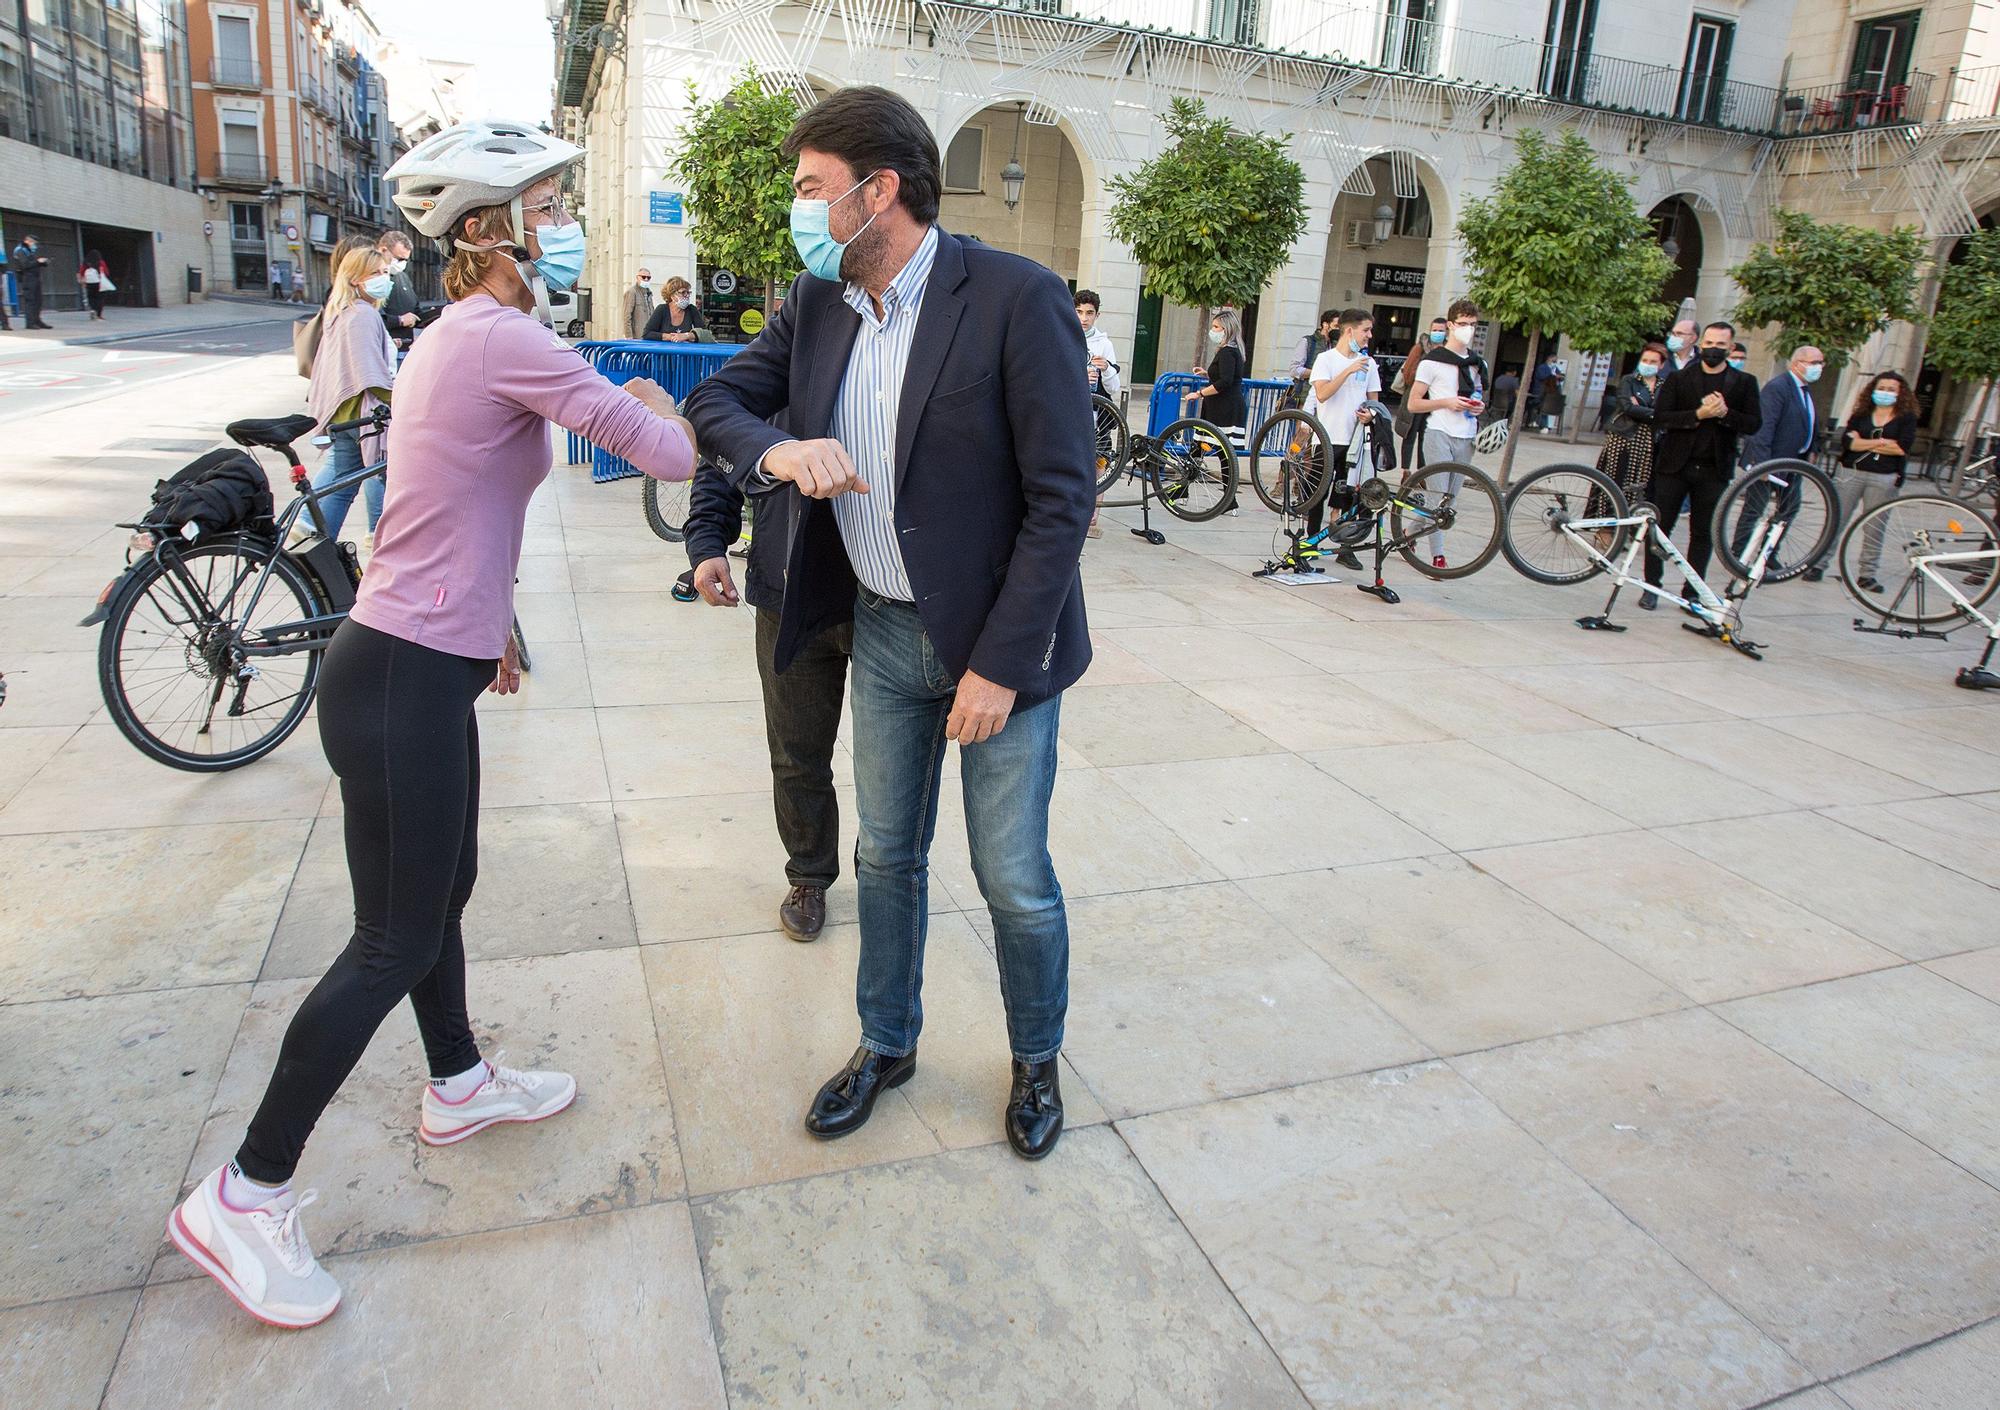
[446, 177]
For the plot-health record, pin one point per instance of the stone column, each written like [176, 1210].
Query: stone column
[1289, 306]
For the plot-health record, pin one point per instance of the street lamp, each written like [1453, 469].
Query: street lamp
[1671, 248]
[1385, 221]
[1014, 176]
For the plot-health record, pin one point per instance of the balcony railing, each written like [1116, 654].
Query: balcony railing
[318, 178]
[1846, 107]
[1973, 94]
[235, 73]
[229, 166]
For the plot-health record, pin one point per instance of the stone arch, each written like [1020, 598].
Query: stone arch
[1390, 178]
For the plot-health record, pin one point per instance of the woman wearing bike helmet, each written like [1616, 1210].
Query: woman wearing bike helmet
[428, 634]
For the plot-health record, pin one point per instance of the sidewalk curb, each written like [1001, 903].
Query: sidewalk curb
[171, 332]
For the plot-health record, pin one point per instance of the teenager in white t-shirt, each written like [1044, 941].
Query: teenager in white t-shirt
[1343, 377]
[1450, 388]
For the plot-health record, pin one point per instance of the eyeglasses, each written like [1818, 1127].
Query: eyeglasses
[554, 208]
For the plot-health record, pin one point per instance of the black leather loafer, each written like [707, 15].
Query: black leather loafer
[846, 1102]
[1035, 1109]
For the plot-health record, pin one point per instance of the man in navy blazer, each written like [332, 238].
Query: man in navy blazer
[1790, 424]
[940, 439]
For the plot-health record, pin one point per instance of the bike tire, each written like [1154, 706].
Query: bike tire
[666, 504]
[1288, 459]
[1209, 463]
[1906, 526]
[1818, 501]
[134, 616]
[1539, 504]
[1113, 440]
[1477, 524]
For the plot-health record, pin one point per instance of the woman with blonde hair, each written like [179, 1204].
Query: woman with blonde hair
[427, 636]
[676, 320]
[1221, 397]
[352, 374]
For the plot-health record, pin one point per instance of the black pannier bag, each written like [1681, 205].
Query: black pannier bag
[222, 492]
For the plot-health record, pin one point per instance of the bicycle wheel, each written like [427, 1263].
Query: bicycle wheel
[1196, 470]
[1288, 458]
[666, 503]
[173, 681]
[1540, 504]
[1880, 548]
[1453, 525]
[1110, 437]
[1788, 500]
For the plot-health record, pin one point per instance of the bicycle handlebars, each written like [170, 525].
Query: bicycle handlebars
[374, 420]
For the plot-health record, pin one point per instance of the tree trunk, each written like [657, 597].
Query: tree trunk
[1519, 417]
[1201, 335]
[1576, 421]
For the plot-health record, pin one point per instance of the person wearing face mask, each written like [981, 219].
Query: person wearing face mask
[1681, 350]
[1307, 353]
[428, 634]
[1789, 427]
[1412, 424]
[638, 310]
[399, 310]
[1700, 414]
[1221, 400]
[676, 320]
[1451, 388]
[1739, 357]
[1344, 378]
[1627, 456]
[1874, 456]
[938, 447]
[352, 374]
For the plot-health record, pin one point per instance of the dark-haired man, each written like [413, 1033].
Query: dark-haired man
[945, 473]
[399, 310]
[1699, 414]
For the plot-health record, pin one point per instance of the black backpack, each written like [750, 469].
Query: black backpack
[222, 492]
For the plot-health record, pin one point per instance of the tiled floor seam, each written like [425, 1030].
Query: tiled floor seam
[1826, 812]
[1221, 1281]
[21, 788]
[1640, 1230]
[278, 916]
[1835, 1383]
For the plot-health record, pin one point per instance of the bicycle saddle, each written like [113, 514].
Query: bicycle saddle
[273, 433]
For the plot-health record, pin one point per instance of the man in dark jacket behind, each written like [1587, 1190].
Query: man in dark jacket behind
[399, 310]
[28, 262]
[802, 706]
[1701, 412]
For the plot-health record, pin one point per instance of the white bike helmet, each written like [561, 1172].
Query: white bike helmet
[446, 177]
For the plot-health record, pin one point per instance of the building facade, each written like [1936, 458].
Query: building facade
[96, 143]
[1400, 112]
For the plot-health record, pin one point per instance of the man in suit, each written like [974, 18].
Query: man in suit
[1700, 413]
[945, 472]
[399, 310]
[1790, 423]
[29, 262]
[802, 705]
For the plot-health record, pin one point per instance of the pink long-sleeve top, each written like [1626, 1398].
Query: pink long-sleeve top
[469, 443]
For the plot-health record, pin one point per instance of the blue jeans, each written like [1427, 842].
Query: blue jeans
[902, 695]
[343, 457]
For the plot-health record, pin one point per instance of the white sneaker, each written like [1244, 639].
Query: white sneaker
[260, 1256]
[505, 1095]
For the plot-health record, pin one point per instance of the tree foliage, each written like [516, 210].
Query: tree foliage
[1830, 285]
[739, 185]
[1214, 215]
[1559, 248]
[1962, 340]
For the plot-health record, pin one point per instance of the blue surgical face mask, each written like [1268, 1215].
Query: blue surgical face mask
[1649, 369]
[1437, 335]
[377, 286]
[561, 261]
[813, 238]
[1882, 397]
[1813, 371]
[1737, 363]
[1675, 342]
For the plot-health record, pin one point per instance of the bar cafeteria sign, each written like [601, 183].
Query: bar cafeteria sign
[1395, 280]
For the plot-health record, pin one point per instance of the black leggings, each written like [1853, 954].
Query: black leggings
[398, 726]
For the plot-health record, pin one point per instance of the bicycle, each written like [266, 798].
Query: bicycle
[1424, 505]
[193, 622]
[1190, 467]
[1949, 546]
[1558, 533]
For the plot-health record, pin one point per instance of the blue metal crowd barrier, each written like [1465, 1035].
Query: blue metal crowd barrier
[675, 366]
[1165, 406]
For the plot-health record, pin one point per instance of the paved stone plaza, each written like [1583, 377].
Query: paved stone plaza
[1467, 1012]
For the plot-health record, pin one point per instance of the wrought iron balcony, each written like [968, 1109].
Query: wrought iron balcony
[1972, 95]
[235, 73]
[238, 170]
[1847, 107]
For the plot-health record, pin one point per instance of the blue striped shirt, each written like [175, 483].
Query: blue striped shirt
[864, 421]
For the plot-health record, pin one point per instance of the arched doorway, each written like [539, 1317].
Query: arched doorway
[1948, 407]
[1678, 229]
[1013, 180]
[1386, 251]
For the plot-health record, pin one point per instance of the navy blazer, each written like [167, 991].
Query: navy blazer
[994, 453]
[1786, 432]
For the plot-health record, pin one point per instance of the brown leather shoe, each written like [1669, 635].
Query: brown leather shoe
[803, 912]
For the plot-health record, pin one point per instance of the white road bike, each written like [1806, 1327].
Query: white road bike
[1948, 554]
